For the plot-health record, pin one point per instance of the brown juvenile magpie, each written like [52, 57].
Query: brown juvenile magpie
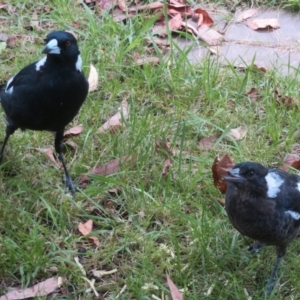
[264, 204]
[47, 94]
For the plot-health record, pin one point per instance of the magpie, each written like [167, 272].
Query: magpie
[264, 204]
[47, 94]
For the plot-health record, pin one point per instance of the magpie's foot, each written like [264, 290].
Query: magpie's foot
[70, 185]
[254, 248]
[270, 286]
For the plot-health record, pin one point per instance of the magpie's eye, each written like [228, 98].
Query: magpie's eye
[67, 44]
[250, 174]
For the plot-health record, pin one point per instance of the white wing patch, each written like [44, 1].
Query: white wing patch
[40, 63]
[293, 214]
[274, 181]
[78, 63]
[11, 89]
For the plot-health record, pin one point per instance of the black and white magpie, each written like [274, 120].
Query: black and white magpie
[264, 204]
[47, 94]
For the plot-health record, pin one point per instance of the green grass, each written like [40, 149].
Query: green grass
[154, 224]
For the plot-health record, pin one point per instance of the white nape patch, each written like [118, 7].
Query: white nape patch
[11, 89]
[298, 186]
[40, 63]
[52, 45]
[293, 214]
[274, 181]
[78, 63]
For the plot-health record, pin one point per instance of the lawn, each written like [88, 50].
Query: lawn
[149, 221]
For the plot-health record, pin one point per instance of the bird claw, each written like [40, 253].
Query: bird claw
[255, 248]
[70, 185]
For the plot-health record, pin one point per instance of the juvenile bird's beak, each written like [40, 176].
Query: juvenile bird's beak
[51, 47]
[234, 176]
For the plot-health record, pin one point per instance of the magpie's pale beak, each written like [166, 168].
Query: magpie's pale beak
[51, 47]
[234, 176]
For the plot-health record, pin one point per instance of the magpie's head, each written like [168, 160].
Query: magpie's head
[248, 175]
[61, 43]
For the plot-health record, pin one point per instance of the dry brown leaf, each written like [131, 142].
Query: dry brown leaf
[34, 23]
[208, 143]
[210, 36]
[93, 79]
[286, 100]
[253, 94]
[50, 154]
[116, 121]
[147, 60]
[71, 145]
[246, 14]
[153, 5]
[41, 289]
[177, 4]
[107, 4]
[107, 169]
[202, 18]
[162, 147]
[220, 168]
[238, 133]
[122, 5]
[74, 131]
[175, 23]
[166, 166]
[256, 24]
[158, 42]
[119, 15]
[221, 201]
[292, 160]
[85, 228]
[175, 293]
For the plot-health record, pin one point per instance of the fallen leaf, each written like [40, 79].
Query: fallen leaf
[256, 24]
[253, 94]
[41, 289]
[122, 5]
[238, 133]
[101, 273]
[246, 14]
[74, 131]
[162, 147]
[71, 145]
[175, 293]
[175, 23]
[292, 160]
[116, 121]
[285, 100]
[166, 166]
[208, 143]
[108, 169]
[220, 168]
[34, 23]
[93, 79]
[202, 18]
[119, 15]
[85, 228]
[221, 201]
[107, 4]
[50, 154]
[151, 6]
[158, 42]
[147, 60]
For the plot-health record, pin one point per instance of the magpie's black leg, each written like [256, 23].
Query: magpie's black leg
[59, 148]
[271, 281]
[9, 131]
[254, 248]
